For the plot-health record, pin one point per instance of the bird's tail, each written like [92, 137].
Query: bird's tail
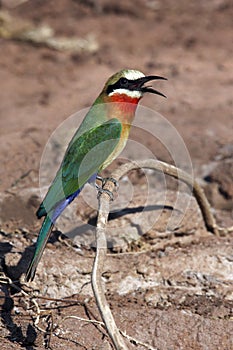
[40, 245]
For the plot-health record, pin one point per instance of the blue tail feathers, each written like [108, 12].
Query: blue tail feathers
[46, 228]
[49, 221]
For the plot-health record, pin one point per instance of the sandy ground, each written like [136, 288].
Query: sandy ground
[169, 288]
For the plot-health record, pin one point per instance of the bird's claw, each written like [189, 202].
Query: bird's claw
[106, 179]
[102, 190]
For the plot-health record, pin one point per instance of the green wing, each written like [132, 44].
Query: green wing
[84, 157]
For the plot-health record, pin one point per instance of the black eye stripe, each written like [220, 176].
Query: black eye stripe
[122, 83]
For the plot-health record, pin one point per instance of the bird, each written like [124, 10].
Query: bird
[100, 138]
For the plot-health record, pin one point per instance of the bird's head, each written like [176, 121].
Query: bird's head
[129, 86]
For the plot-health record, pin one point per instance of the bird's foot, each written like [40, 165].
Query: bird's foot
[102, 190]
[104, 180]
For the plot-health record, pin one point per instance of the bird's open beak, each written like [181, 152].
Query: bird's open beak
[139, 84]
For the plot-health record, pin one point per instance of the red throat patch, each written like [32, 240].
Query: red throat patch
[123, 98]
[122, 106]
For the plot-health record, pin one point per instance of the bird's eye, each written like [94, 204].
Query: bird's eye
[123, 81]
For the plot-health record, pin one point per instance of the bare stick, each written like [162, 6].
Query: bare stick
[101, 244]
[101, 251]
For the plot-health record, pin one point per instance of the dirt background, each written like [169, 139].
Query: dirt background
[169, 289]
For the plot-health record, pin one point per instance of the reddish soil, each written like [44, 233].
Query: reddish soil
[169, 289]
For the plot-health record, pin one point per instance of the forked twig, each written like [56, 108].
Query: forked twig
[101, 243]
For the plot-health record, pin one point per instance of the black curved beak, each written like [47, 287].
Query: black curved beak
[139, 84]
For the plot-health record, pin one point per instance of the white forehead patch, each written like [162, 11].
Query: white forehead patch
[133, 74]
[130, 93]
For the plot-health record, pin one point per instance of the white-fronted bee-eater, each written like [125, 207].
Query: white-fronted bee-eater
[100, 138]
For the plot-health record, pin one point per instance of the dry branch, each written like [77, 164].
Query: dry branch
[101, 243]
[101, 251]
